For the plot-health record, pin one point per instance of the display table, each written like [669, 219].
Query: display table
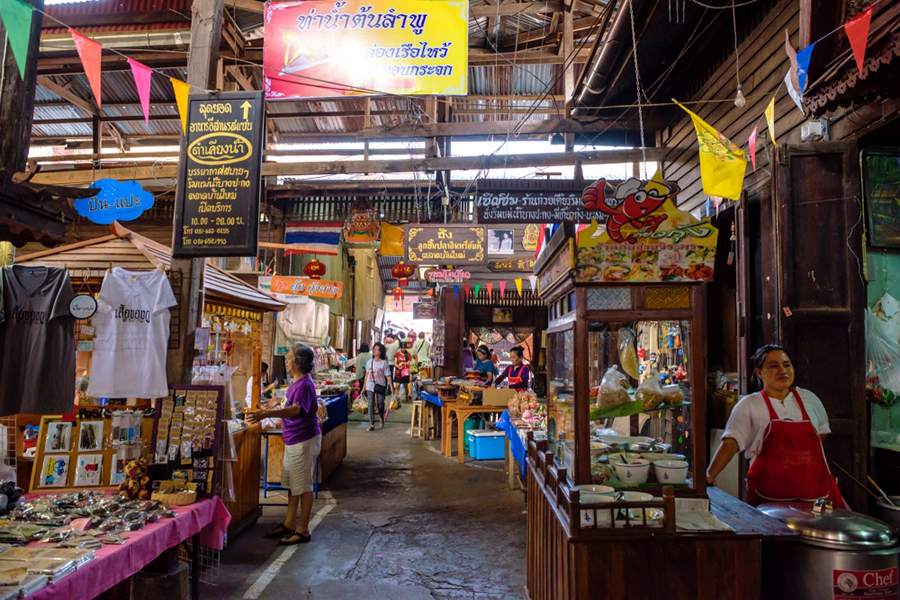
[205, 522]
[433, 405]
[450, 409]
[331, 454]
[515, 449]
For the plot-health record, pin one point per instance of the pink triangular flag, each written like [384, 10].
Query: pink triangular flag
[142, 74]
[857, 30]
[753, 147]
[89, 52]
[502, 287]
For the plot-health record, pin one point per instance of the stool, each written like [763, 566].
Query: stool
[416, 429]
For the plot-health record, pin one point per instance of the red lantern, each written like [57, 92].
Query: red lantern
[402, 272]
[398, 295]
[314, 269]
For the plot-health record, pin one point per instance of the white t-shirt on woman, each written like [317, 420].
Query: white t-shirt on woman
[377, 371]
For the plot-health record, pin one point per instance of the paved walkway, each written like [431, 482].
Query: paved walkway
[397, 521]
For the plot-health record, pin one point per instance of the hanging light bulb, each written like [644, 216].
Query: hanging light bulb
[739, 99]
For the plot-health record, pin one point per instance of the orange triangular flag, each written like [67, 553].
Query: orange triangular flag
[490, 289]
[181, 98]
[89, 52]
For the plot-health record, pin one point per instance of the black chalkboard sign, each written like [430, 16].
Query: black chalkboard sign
[531, 201]
[217, 203]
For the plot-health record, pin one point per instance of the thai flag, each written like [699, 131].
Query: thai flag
[322, 236]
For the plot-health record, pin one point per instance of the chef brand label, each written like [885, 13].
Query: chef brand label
[883, 584]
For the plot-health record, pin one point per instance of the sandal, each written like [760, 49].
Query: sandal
[279, 531]
[371, 428]
[295, 538]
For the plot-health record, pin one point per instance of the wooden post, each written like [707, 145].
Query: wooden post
[17, 97]
[97, 139]
[206, 36]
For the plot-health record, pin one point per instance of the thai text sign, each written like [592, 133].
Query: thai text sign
[317, 49]
[646, 237]
[500, 201]
[445, 244]
[302, 286]
[512, 265]
[446, 275]
[424, 310]
[217, 204]
[116, 201]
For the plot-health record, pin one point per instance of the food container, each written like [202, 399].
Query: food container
[671, 471]
[634, 472]
[838, 554]
[890, 514]
[598, 449]
[589, 493]
[637, 514]
[631, 456]
[603, 517]
[655, 456]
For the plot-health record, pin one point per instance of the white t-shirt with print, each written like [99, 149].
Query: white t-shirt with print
[132, 334]
[750, 417]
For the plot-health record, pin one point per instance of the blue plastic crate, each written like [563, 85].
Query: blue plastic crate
[485, 444]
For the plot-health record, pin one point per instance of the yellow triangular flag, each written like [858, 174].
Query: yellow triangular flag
[519, 285]
[181, 98]
[722, 164]
[392, 238]
[770, 119]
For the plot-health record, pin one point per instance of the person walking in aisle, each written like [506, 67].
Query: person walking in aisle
[302, 443]
[421, 350]
[393, 345]
[378, 382]
[402, 361]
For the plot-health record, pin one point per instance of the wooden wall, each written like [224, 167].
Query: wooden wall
[763, 63]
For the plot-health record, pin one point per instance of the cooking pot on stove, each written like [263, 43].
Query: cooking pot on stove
[838, 554]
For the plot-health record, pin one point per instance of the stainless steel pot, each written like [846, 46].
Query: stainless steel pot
[838, 553]
[890, 514]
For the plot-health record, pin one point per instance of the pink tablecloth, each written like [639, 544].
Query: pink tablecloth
[113, 564]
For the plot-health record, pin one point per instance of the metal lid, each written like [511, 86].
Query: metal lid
[841, 529]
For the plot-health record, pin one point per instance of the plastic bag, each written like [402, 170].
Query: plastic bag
[361, 404]
[611, 391]
[882, 360]
[395, 403]
[672, 394]
[650, 393]
[627, 353]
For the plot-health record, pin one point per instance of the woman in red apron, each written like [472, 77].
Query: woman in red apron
[781, 430]
[517, 374]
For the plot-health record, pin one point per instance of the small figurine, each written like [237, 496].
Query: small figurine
[680, 373]
[136, 485]
[664, 377]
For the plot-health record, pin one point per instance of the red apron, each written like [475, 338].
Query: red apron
[514, 380]
[791, 464]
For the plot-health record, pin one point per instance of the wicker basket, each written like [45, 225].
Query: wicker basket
[175, 499]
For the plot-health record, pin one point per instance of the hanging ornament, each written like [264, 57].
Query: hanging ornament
[361, 227]
[402, 272]
[398, 295]
[228, 345]
[314, 269]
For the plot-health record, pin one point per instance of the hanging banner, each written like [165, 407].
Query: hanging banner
[304, 286]
[504, 201]
[316, 49]
[663, 244]
[361, 227]
[424, 310]
[117, 201]
[217, 202]
[446, 244]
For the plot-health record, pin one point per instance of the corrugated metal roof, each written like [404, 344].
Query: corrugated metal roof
[105, 7]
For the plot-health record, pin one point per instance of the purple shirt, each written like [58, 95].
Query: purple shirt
[468, 361]
[522, 373]
[305, 425]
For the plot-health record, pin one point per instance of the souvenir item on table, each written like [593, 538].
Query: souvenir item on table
[611, 392]
[90, 436]
[117, 472]
[37, 341]
[55, 471]
[176, 492]
[58, 437]
[88, 470]
[132, 332]
[650, 393]
[136, 484]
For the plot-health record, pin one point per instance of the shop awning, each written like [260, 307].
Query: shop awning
[31, 213]
[129, 250]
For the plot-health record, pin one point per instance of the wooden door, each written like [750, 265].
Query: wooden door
[821, 292]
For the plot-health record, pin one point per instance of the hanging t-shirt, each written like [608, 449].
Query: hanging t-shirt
[37, 341]
[132, 333]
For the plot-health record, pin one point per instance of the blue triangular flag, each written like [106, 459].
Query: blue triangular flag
[456, 292]
[803, 66]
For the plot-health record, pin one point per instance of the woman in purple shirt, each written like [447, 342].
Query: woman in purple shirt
[517, 374]
[302, 442]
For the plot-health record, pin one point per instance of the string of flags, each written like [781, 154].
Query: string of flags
[474, 291]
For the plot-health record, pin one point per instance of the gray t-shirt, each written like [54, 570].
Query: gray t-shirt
[37, 342]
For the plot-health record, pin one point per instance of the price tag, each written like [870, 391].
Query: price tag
[87, 330]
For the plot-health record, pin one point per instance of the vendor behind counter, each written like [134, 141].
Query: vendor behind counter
[517, 374]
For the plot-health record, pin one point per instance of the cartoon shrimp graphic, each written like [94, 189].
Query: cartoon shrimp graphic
[634, 205]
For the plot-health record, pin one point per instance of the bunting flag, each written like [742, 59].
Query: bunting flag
[477, 289]
[181, 98]
[532, 281]
[502, 288]
[722, 164]
[16, 16]
[792, 91]
[519, 285]
[857, 30]
[89, 52]
[456, 292]
[465, 287]
[752, 144]
[770, 120]
[792, 57]
[391, 239]
[142, 74]
[490, 289]
[803, 67]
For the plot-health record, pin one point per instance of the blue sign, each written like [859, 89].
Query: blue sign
[117, 201]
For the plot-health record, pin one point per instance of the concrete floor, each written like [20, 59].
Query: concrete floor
[396, 521]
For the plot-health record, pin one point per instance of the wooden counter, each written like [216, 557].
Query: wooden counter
[245, 508]
[566, 562]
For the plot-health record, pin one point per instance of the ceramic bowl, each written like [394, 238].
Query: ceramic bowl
[633, 473]
[655, 456]
[590, 493]
[653, 514]
[631, 456]
[598, 449]
[671, 471]
[591, 519]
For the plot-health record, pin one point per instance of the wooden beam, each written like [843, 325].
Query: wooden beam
[66, 94]
[246, 5]
[239, 77]
[522, 8]
[173, 154]
[482, 57]
[424, 130]
[450, 163]
[566, 48]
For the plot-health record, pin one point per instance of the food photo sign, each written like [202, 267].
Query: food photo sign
[646, 238]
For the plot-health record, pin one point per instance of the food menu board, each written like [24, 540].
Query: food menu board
[217, 203]
[646, 238]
